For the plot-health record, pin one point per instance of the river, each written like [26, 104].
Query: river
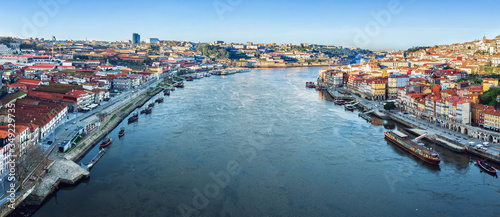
[261, 144]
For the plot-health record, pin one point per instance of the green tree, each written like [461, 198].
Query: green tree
[389, 106]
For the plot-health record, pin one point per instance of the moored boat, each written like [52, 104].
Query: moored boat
[134, 118]
[486, 167]
[122, 132]
[159, 100]
[339, 102]
[310, 84]
[95, 159]
[349, 107]
[106, 142]
[166, 92]
[179, 84]
[189, 78]
[149, 110]
[415, 149]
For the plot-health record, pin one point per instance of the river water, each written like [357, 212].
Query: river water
[261, 144]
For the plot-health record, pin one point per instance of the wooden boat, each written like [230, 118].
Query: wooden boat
[349, 107]
[339, 102]
[486, 167]
[151, 105]
[310, 84]
[122, 132]
[166, 92]
[134, 118]
[179, 84]
[106, 142]
[159, 100]
[149, 110]
[189, 78]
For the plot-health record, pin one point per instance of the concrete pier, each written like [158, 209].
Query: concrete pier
[441, 141]
[62, 171]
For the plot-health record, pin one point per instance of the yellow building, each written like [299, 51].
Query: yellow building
[426, 90]
[489, 83]
[421, 105]
[492, 119]
[473, 98]
[378, 89]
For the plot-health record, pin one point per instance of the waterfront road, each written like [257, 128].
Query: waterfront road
[65, 128]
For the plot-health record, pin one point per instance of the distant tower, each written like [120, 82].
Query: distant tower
[136, 38]
[53, 38]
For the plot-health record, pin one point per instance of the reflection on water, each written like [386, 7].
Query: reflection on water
[378, 122]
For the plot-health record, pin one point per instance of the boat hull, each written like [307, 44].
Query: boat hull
[428, 160]
[121, 133]
[485, 168]
[105, 144]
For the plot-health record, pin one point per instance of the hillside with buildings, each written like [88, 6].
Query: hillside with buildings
[455, 83]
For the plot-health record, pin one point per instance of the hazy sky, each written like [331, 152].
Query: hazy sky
[398, 25]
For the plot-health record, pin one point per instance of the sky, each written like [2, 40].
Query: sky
[375, 24]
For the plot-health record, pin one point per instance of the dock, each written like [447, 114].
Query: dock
[336, 95]
[440, 140]
[365, 116]
[447, 143]
[62, 171]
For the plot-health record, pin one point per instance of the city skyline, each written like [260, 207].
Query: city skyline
[381, 25]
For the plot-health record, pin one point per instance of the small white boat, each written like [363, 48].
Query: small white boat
[95, 159]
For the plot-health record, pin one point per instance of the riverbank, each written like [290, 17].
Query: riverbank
[281, 144]
[434, 136]
[288, 66]
[64, 169]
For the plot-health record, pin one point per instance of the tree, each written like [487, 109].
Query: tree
[389, 106]
[101, 116]
[27, 163]
[258, 54]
